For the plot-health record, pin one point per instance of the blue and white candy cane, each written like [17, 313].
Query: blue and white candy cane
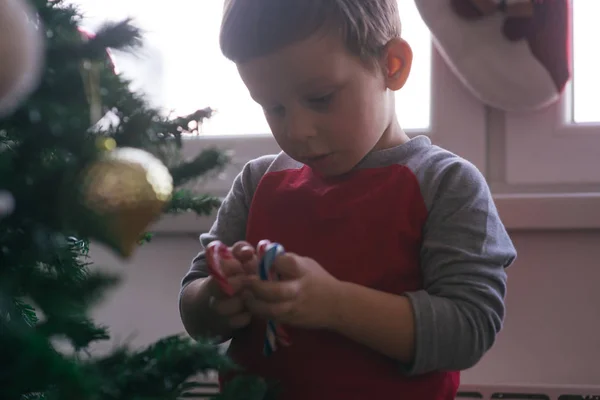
[275, 334]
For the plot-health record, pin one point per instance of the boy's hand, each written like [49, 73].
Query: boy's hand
[246, 254]
[231, 309]
[305, 296]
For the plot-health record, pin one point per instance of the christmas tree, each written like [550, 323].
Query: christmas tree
[83, 158]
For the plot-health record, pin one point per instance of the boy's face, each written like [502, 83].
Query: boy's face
[325, 108]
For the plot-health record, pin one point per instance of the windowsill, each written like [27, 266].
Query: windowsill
[549, 211]
[518, 211]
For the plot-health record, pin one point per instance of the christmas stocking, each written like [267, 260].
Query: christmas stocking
[511, 54]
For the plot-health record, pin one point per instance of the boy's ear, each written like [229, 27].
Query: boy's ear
[397, 62]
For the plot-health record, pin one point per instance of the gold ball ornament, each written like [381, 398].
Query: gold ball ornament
[21, 53]
[121, 195]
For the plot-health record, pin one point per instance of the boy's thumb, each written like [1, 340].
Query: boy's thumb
[288, 266]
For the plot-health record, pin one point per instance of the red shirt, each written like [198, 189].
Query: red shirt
[373, 240]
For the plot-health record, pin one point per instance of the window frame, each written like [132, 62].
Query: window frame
[557, 141]
[461, 124]
[555, 192]
[565, 149]
[539, 167]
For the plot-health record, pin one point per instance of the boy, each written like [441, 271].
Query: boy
[394, 278]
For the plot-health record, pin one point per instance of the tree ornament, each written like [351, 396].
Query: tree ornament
[123, 192]
[21, 53]
[90, 73]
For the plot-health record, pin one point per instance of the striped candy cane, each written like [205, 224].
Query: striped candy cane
[275, 334]
[213, 261]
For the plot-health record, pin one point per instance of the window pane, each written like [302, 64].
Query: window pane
[413, 102]
[181, 67]
[586, 63]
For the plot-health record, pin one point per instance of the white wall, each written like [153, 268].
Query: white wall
[551, 335]
[144, 307]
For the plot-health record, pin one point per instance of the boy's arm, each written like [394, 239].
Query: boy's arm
[229, 227]
[464, 257]
[453, 321]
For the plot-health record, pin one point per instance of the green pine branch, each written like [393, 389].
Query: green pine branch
[47, 282]
[186, 201]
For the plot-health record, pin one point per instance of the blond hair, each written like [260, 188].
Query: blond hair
[254, 28]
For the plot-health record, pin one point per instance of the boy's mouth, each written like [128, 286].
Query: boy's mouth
[317, 157]
[317, 160]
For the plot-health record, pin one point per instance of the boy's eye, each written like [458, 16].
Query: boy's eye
[321, 101]
[277, 110]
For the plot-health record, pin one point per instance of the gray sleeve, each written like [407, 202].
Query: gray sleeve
[464, 254]
[230, 224]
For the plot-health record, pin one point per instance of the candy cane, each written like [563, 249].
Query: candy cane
[213, 261]
[275, 334]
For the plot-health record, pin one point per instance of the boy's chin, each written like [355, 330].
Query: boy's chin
[331, 171]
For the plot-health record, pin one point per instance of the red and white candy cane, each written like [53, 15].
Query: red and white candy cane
[213, 261]
[275, 334]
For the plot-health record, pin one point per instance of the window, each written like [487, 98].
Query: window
[586, 81]
[559, 147]
[184, 69]
[540, 161]
[181, 68]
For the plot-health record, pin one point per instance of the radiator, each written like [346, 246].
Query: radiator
[489, 392]
[525, 392]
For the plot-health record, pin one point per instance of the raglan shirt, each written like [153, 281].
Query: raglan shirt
[439, 206]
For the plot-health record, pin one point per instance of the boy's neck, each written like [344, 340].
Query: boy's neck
[393, 136]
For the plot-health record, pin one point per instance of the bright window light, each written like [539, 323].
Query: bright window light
[586, 63]
[181, 67]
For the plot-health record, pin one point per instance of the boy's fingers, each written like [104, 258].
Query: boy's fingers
[270, 310]
[233, 311]
[289, 266]
[243, 251]
[240, 320]
[235, 284]
[228, 307]
[231, 268]
[220, 261]
[251, 266]
[271, 291]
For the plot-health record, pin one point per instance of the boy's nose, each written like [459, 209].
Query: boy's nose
[299, 126]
